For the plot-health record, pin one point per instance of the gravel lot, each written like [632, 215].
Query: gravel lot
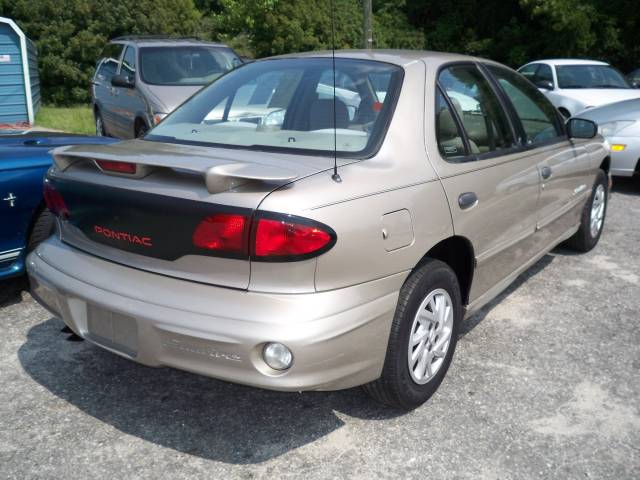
[545, 384]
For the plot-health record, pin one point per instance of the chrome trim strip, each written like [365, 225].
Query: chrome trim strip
[10, 254]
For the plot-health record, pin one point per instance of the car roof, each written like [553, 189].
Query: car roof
[569, 61]
[397, 57]
[163, 41]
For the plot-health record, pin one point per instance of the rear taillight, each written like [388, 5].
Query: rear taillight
[117, 167]
[268, 237]
[223, 232]
[286, 238]
[54, 201]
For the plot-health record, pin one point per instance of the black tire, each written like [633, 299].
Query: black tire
[583, 240]
[100, 130]
[141, 130]
[396, 387]
[41, 230]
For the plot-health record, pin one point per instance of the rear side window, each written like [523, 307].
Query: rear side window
[537, 115]
[483, 119]
[108, 63]
[450, 141]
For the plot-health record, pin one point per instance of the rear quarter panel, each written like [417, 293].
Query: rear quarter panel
[396, 190]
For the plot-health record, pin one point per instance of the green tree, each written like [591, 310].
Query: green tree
[70, 34]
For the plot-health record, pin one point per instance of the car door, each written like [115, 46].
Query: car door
[564, 180]
[101, 85]
[127, 101]
[492, 188]
[21, 174]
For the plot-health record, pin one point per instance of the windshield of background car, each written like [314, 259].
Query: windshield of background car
[288, 104]
[188, 65]
[590, 76]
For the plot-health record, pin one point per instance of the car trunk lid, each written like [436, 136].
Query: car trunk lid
[148, 219]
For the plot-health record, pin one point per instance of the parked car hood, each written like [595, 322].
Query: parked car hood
[167, 98]
[592, 97]
[625, 110]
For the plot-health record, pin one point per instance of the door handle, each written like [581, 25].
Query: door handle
[546, 172]
[467, 200]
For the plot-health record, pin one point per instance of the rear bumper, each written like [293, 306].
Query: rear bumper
[338, 338]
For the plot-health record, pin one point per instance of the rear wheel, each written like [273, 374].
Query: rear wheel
[41, 230]
[593, 216]
[422, 338]
[100, 132]
[141, 130]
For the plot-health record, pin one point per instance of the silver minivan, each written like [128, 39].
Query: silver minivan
[141, 79]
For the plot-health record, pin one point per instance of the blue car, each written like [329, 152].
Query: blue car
[24, 220]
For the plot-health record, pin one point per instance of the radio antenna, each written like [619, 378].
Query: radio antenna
[335, 176]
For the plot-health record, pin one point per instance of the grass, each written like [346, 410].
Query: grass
[76, 119]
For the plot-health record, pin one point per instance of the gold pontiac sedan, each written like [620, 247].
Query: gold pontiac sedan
[316, 223]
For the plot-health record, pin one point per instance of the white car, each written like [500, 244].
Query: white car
[619, 123]
[576, 85]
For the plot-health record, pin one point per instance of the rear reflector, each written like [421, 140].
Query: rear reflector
[54, 201]
[222, 232]
[285, 239]
[117, 167]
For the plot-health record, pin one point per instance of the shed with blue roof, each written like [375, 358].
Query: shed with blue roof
[19, 82]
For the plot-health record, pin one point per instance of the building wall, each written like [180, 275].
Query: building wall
[32, 53]
[13, 99]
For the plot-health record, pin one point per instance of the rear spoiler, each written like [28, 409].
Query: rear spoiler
[218, 176]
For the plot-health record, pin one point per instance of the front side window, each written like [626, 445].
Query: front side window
[537, 115]
[484, 121]
[288, 104]
[590, 76]
[544, 74]
[128, 67]
[188, 65]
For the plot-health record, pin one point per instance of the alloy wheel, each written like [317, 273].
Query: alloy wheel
[597, 210]
[430, 336]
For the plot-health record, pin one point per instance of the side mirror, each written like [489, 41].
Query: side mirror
[544, 84]
[581, 128]
[123, 81]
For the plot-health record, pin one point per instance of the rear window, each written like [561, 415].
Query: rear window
[189, 65]
[589, 76]
[288, 104]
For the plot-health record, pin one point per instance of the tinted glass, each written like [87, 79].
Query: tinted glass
[450, 142]
[108, 63]
[129, 63]
[589, 76]
[544, 73]
[529, 70]
[289, 104]
[483, 118]
[189, 65]
[537, 115]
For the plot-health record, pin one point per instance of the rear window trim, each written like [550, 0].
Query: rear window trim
[364, 154]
